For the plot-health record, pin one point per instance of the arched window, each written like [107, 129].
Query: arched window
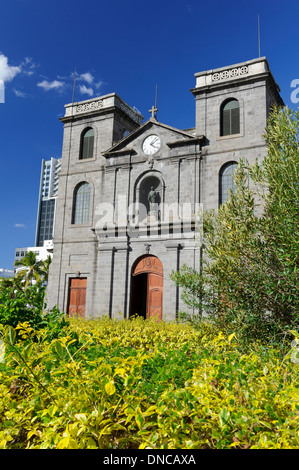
[226, 181]
[81, 205]
[87, 141]
[230, 117]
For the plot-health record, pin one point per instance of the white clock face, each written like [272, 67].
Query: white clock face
[151, 144]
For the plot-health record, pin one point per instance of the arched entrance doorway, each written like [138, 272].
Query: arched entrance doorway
[147, 287]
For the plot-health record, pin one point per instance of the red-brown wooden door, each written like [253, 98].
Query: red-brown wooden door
[77, 296]
[150, 269]
[154, 295]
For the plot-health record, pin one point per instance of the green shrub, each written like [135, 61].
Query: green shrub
[20, 306]
[135, 384]
[27, 306]
[250, 274]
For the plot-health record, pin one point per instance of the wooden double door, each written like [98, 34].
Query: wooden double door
[77, 296]
[147, 288]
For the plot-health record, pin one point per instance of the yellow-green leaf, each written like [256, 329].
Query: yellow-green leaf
[110, 388]
[120, 371]
[139, 420]
[11, 334]
[231, 337]
[67, 443]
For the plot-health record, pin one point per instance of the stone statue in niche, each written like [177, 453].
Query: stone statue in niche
[152, 199]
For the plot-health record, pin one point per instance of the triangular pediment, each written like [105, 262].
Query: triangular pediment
[133, 141]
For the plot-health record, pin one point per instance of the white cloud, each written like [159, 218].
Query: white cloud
[19, 93]
[28, 66]
[54, 85]
[86, 77]
[20, 225]
[85, 90]
[8, 72]
[99, 84]
[90, 80]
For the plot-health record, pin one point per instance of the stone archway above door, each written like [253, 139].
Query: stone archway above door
[148, 264]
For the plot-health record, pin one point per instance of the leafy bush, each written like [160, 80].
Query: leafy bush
[136, 384]
[250, 277]
[22, 298]
[27, 306]
[20, 306]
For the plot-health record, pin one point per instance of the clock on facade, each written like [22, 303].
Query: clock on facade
[151, 144]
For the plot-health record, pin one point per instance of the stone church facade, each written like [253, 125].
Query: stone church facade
[130, 192]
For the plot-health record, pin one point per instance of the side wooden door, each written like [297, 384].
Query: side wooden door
[77, 296]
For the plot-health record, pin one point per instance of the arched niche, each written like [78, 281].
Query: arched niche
[149, 180]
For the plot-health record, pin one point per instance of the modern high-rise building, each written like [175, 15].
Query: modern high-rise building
[45, 213]
[47, 200]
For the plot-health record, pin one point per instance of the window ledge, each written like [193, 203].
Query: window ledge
[80, 225]
[230, 136]
[84, 160]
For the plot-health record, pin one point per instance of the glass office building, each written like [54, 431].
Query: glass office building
[47, 201]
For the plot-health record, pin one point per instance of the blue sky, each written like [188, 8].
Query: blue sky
[122, 46]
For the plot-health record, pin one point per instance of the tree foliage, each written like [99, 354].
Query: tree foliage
[22, 298]
[250, 276]
[32, 270]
